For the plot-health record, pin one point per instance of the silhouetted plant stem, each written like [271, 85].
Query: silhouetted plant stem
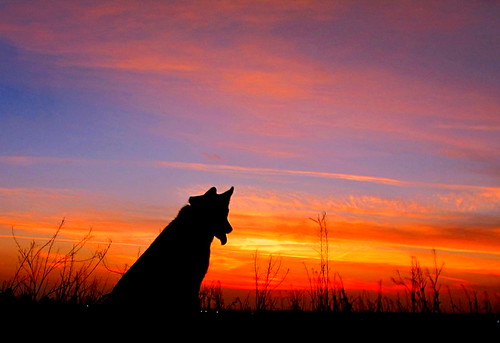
[266, 282]
[434, 280]
[320, 281]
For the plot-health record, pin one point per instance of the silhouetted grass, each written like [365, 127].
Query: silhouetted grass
[45, 273]
[211, 298]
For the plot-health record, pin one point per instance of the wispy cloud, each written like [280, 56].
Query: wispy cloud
[32, 160]
[222, 168]
[26, 161]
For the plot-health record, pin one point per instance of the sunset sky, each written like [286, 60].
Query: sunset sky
[383, 114]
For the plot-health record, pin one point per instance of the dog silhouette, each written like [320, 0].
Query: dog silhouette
[168, 275]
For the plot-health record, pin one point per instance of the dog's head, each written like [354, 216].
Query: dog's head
[213, 209]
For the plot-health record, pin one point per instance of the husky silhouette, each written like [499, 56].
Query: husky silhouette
[168, 275]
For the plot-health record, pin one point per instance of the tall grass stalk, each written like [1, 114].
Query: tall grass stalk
[434, 281]
[319, 281]
[415, 287]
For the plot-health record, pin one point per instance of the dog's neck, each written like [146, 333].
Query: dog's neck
[186, 226]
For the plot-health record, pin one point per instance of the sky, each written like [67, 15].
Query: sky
[383, 114]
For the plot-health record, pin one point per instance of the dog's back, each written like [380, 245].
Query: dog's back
[169, 273]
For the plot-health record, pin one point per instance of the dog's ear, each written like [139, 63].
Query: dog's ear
[227, 194]
[211, 192]
[194, 200]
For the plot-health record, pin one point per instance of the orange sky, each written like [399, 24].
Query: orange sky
[383, 115]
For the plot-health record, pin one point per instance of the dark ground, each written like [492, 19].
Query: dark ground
[70, 323]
